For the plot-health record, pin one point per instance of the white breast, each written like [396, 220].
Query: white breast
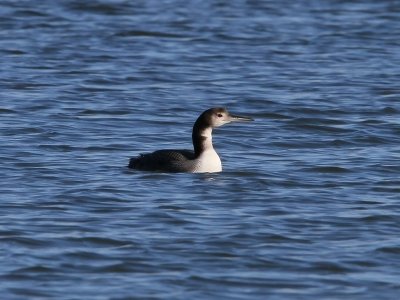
[208, 162]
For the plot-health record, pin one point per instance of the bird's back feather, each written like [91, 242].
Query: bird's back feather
[164, 160]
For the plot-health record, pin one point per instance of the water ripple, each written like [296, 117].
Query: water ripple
[307, 203]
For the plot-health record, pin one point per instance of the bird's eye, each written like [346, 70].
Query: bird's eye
[219, 115]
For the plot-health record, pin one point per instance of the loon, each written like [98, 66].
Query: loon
[203, 159]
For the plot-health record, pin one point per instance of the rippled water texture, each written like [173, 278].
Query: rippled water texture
[307, 206]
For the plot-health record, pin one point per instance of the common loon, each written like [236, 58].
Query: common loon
[203, 159]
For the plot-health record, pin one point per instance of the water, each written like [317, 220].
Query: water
[308, 203]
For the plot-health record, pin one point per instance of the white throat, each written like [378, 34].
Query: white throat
[207, 135]
[208, 161]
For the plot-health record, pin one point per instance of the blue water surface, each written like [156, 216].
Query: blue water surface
[307, 205]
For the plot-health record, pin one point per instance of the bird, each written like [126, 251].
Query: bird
[202, 159]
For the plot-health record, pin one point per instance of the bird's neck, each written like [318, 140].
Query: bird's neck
[202, 139]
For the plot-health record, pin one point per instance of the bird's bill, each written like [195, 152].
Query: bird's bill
[236, 118]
